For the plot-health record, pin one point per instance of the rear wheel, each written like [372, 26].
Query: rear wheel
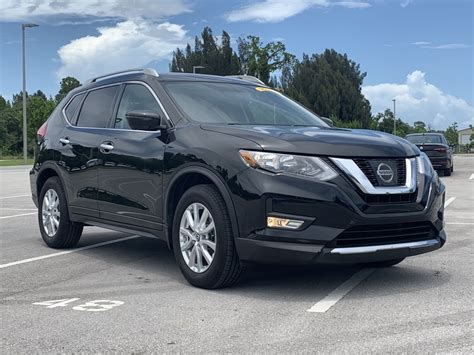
[386, 263]
[203, 242]
[56, 229]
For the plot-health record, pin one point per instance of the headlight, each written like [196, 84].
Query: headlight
[299, 165]
[423, 163]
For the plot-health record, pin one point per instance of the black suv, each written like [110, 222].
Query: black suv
[228, 171]
[436, 148]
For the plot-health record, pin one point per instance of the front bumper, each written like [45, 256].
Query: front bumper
[296, 253]
[333, 214]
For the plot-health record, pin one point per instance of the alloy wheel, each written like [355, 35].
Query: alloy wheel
[50, 212]
[197, 237]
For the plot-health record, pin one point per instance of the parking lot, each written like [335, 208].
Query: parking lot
[117, 292]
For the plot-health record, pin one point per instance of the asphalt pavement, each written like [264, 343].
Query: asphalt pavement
[121, 293]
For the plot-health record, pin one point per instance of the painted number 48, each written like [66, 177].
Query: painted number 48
[90, 306]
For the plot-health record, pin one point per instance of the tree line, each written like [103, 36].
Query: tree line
[328, 83]
[38, 108]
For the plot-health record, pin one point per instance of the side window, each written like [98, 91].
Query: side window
[135, 97]
[72, 107]
[97, 107]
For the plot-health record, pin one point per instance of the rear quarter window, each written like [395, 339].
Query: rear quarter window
[72, 107]
[97, 107]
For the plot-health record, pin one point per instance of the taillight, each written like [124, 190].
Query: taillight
[42, 131]
[440, 149]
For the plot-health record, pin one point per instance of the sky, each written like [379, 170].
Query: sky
[419, 52]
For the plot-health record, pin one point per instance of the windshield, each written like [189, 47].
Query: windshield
[425, 139]
[238, 104]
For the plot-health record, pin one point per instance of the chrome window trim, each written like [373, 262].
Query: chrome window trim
[355, 174]
[376, 248]
[63, 111]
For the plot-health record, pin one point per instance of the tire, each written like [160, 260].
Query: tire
[67, 233]
[452, 168]
[224, 268]
[386, 263]
[447, 172]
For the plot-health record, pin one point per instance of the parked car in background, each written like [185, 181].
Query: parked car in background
[436, 148]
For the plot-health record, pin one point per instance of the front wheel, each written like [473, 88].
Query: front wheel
[56, 229]
[203, 242]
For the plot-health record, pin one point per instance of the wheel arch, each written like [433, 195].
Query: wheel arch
[46, 172]
[182, 181]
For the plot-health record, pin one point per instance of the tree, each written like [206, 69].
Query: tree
[419, 127]
[261, 60]
[10, 129]
[451, 134]
[216, 58]
[330, 85]
[67, 84]
[38, 109]
[385, 124]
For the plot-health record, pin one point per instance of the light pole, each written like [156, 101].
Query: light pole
[394, 119]
[23, 27]
[197, 67]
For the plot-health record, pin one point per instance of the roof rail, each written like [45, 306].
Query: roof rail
[148, 71]
[249, 78]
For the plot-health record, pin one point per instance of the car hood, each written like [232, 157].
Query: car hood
[334, 142]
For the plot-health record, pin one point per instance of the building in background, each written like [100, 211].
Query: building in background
[464, 138]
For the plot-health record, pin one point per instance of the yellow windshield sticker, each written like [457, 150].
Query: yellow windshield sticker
[260, 88]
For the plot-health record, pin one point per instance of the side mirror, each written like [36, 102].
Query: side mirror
[145, 120]
[328, 121]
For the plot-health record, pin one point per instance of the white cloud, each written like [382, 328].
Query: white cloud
[405, 3]
[430, 45]
[128, 44]
[418, 100]
[421, 43]
[279, 10]
[38, 10]
[448, 46]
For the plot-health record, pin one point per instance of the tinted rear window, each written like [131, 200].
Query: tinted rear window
[97, 107]
[426, 138]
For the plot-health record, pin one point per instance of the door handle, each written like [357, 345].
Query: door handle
[64, 141]
[106, 147]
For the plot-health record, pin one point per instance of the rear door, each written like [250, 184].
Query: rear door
[130, 176]
[88, 115]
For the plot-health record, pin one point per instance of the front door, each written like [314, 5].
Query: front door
[130, 175]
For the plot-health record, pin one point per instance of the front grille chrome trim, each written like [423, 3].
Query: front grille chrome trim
[356, 175]
[376, 248]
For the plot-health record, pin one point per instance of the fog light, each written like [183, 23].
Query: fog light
[277, 222]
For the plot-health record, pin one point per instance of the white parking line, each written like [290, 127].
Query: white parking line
[449, 201]
[461, 223]
[18, 215]
[336, 295]
[471, 177]
[68, 251]
[18, 209]
[4, 198]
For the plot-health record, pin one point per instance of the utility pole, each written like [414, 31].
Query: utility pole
[23, 27]
[394, 118]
